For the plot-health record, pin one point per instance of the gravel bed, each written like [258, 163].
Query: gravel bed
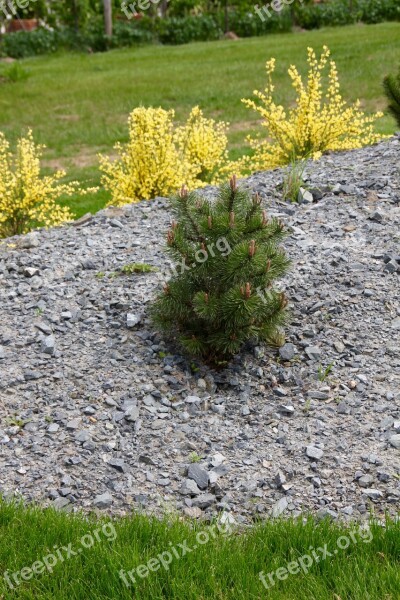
[97, 412]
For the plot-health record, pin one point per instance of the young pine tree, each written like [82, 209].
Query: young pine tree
[228, 255]
[391, 85]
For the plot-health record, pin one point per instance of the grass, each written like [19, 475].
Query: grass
[226, 567]
[78, 104]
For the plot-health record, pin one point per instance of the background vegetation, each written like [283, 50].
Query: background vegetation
[78, 104]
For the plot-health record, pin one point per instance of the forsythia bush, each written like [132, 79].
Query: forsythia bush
[159, 157]
[28, 200]
[321, 120]
[202, 143]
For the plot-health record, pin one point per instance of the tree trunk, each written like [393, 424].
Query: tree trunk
[226, 11]
[108, 18]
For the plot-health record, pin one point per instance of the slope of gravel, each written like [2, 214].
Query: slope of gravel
[97, 411]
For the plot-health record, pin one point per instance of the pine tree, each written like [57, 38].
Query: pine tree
[228, 255]
[391, 85]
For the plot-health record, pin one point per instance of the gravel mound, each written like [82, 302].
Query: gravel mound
[98, 412]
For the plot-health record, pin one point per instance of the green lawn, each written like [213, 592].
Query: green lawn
[52, 556]
[78, 104]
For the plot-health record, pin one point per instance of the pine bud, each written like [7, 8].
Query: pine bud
[203, 246]
[233, 183]
[265, 218]
[268, 266]
[206, 297]
[209, 222]
[248, 291]
[170, 238]
[252, 248]
[166, 289]
[174, 225]
[256, 199]
[231, 219]
[284, 300]
[183, 193]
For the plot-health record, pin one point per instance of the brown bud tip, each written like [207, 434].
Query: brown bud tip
[233, 183]
[248, 290]
[252, 248]
[203, 246]
[257, 199]
[231, 219]
[242, 290]
[265, 219]
[268, 266]
[284, 300]
[166, 289]
[206, 298]
[183, 192]
[170, 237]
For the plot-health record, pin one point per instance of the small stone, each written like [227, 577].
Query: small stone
[103, 500]
[394, 441]
[365, 481]
[317, 395]
[304, 196]
[192, 512]
[287, 352]
[60, 503]
[199, 475]
[313, 352]
[373, 494]
[29, 241]
[278, 391]
[391, 267]
[132, 320]
[280, 479]
[82, 437]
[383, 476]
[217, 459]
[279, 507]
[118, 464]
[203, 501]
[192, 399]
[377, 216]
[48, 345]
[53, 428]
[30, 271]
[189, 488]
[286, 409]
[132, 414]
[314, 453]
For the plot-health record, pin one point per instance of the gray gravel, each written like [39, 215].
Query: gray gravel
[98, 412]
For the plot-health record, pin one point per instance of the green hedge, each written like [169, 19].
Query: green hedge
[346, 12]
[182, 30]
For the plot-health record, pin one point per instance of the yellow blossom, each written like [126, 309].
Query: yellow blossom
[28, 200]
[320, 120]
[159, 157]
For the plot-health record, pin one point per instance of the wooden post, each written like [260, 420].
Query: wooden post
[107, 18]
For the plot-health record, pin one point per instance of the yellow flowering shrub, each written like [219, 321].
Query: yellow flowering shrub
[320, 120]
[159, 157]
[28, 200]
[203, 144]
